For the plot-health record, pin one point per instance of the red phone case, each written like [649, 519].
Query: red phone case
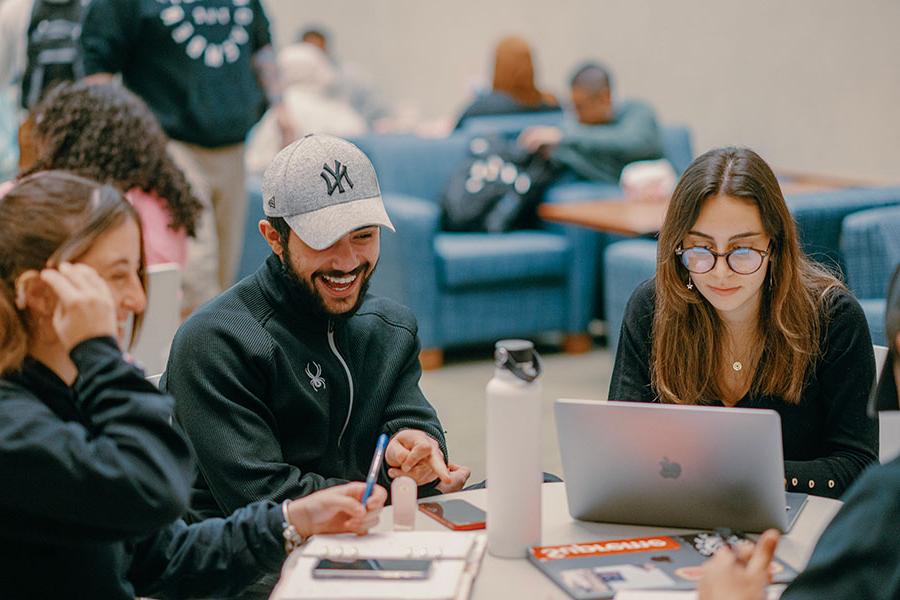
[450, 524]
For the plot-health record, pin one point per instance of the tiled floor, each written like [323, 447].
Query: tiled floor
[457, 392]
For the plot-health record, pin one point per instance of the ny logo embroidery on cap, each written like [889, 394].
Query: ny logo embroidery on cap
[338, 175]
[315, 380]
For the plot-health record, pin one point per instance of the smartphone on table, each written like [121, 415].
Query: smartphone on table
[456, 514]
[372, 568]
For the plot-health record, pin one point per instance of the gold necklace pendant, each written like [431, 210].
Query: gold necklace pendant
[736, 365]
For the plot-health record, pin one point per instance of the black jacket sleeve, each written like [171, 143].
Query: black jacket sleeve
[109, 29]
[843, 378]
[856, 557]
[631, 373]
[261, 32]
[212, 557]
[127, 473]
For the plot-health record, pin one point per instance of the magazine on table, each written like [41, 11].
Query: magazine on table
[597, 570]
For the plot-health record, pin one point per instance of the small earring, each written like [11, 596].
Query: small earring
[690, 283]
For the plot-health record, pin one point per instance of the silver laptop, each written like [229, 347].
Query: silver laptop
[674, 466]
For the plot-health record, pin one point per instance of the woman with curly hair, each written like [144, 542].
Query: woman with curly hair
[106, 133]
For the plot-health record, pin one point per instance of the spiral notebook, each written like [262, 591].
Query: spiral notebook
[456, 558]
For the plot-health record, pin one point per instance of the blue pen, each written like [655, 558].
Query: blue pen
[376, 465]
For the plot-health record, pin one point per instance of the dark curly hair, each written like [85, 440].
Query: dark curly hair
[106, 133]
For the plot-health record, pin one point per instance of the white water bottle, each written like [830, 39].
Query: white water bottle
[514, 473]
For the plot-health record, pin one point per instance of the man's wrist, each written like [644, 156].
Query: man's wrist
[293, 539]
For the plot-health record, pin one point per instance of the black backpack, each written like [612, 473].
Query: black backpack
[496, 188]
[54, 47]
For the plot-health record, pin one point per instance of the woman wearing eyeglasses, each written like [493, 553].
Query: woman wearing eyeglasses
[737, 315]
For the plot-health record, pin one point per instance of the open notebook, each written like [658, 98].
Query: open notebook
[455, 555]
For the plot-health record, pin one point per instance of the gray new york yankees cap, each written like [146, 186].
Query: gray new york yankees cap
[324, 187]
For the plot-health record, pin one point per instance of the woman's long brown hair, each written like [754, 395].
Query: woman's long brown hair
[514, 71]
[687, 330]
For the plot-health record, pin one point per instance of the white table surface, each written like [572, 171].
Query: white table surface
[517, 578]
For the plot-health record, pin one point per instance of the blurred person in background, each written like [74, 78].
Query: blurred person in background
[513, 89]
[104, 132]
[309, 80]
[352, 84]
[603, 135]
[207, 70]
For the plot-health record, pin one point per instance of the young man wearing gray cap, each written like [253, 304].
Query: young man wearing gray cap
[285, 381]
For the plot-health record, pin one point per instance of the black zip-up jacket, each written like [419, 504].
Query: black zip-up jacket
[858, 555]
[94, 479]
[278, 403]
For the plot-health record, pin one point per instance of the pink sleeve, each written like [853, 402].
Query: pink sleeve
[6, 186]
[162, 244]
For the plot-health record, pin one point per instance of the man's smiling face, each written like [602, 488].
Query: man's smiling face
[335, 277]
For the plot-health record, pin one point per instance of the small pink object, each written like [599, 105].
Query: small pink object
[403, 500]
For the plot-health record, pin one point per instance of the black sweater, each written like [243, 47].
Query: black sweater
[858, 555]
[93, 478]
[828, 438]
[278, 403]
[191, 62]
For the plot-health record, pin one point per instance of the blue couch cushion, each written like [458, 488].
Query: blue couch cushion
[874, 309]
[677, 148]
[577, 191]
[414, 166]
[870, 245]
[467, 260]
[820, 215]
[510, 124]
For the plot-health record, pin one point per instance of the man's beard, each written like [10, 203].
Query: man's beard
[310, 300]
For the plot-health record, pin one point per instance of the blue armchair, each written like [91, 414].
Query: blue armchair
[477, 287]
[870, 246]
[472, 287]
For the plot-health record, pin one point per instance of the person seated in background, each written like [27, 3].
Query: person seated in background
[737, 315]
[285, 381]
[351, 85]
[95, 478]
[316, 37]
[858, 555]
[310, 101]
[604, 136]
[513, 90]
[207, 70]
[104, 132]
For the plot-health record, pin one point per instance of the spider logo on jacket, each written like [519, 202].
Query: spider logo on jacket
[315, 379]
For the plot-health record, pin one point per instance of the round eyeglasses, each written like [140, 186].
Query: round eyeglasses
[743, 261]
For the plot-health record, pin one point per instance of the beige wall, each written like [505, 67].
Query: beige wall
[810, 84]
